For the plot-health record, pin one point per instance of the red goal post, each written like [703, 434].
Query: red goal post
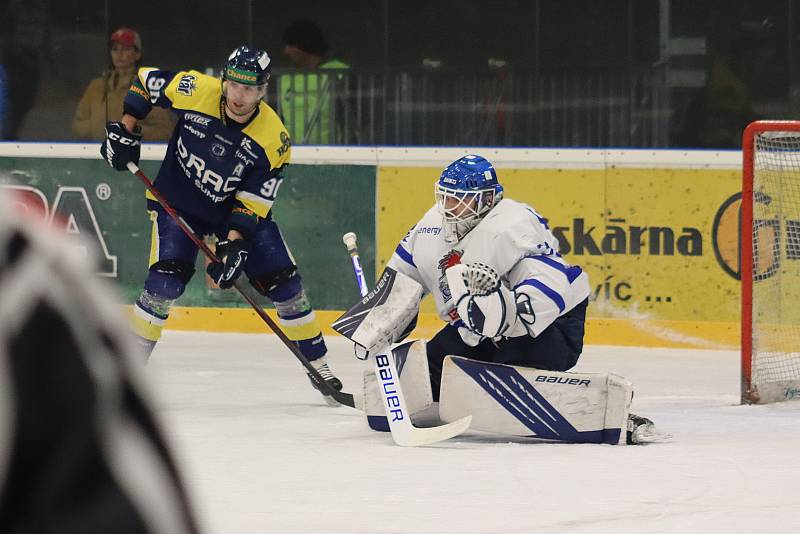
[770, 262]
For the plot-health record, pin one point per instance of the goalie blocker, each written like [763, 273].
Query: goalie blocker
[510, 400]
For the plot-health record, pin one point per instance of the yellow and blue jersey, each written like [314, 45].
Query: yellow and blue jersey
[215, 169]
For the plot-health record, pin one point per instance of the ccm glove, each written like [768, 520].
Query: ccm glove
[232, 256]
[120, 146]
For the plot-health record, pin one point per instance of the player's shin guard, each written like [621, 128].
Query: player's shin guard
[150, 312]
[297, 319]
[412, 365]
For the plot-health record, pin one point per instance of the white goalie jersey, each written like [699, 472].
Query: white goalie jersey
[516, 242]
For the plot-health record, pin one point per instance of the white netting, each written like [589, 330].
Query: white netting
[776, 266]
[481, 279]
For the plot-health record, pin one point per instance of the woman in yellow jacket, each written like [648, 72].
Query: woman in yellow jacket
[102, 100]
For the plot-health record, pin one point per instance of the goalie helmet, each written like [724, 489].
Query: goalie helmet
[248, 66]
[465, 192]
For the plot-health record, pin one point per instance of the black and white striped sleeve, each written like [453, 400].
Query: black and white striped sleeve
[80, 449]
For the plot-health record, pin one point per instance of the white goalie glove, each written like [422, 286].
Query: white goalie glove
[486, 306]
[384, 316]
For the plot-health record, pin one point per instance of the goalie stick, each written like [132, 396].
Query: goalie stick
[404, 433]
[340, 396]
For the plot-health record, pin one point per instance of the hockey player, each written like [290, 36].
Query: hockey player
[493, 268]
[542, 325]
[221, 173]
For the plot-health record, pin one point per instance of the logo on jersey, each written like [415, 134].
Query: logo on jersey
[248, 147]
[210, 183]
[139, 91]
[197, 119]
[240, 155]
[194, 130]
[186, 85]
[432, 230]
[448, 260]
[285, 144]
[217, 149]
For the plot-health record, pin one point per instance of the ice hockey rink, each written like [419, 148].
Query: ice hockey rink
[261, 452]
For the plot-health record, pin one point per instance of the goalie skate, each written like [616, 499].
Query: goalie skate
[321, 365]
[643, 430]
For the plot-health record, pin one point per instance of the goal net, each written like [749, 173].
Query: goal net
[770, 262]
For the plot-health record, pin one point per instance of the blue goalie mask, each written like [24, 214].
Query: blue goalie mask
[466, 191]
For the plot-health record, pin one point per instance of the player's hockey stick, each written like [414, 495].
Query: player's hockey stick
[340, 396]
[403, 431]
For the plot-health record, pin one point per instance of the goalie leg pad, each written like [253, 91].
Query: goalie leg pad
[521, 401]
[412, 365]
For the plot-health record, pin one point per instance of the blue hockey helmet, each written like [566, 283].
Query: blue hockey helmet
[248, 66]
[467, 189]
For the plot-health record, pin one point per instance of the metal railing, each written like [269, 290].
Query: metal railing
[493, 108]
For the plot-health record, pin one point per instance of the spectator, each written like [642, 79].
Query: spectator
[310, 102]
[102, 100]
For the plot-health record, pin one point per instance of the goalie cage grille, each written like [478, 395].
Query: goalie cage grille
[770, 262]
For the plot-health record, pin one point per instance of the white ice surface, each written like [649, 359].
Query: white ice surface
[260, 452]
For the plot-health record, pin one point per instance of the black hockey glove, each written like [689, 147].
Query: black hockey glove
[232, 256]
[120, 146]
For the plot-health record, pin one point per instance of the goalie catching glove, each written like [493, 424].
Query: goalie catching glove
[120, 146]
[485, 305]
[232, 256]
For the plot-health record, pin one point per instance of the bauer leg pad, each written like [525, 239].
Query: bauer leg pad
[520, 401]
[412, 365]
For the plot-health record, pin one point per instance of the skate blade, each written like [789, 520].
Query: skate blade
[645, 435]
[330, 401]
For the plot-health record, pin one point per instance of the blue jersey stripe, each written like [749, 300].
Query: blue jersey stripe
[549, 292]
[570, 272]
[404, 255]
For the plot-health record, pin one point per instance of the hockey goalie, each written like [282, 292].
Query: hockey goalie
[515, 314]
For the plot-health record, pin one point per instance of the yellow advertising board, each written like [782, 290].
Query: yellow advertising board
[660, 245]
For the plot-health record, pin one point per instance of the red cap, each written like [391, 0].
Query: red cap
[127, 37]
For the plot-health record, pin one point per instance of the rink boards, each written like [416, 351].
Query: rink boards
[657, 231]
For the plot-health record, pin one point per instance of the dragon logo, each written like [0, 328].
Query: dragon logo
[448, 260]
